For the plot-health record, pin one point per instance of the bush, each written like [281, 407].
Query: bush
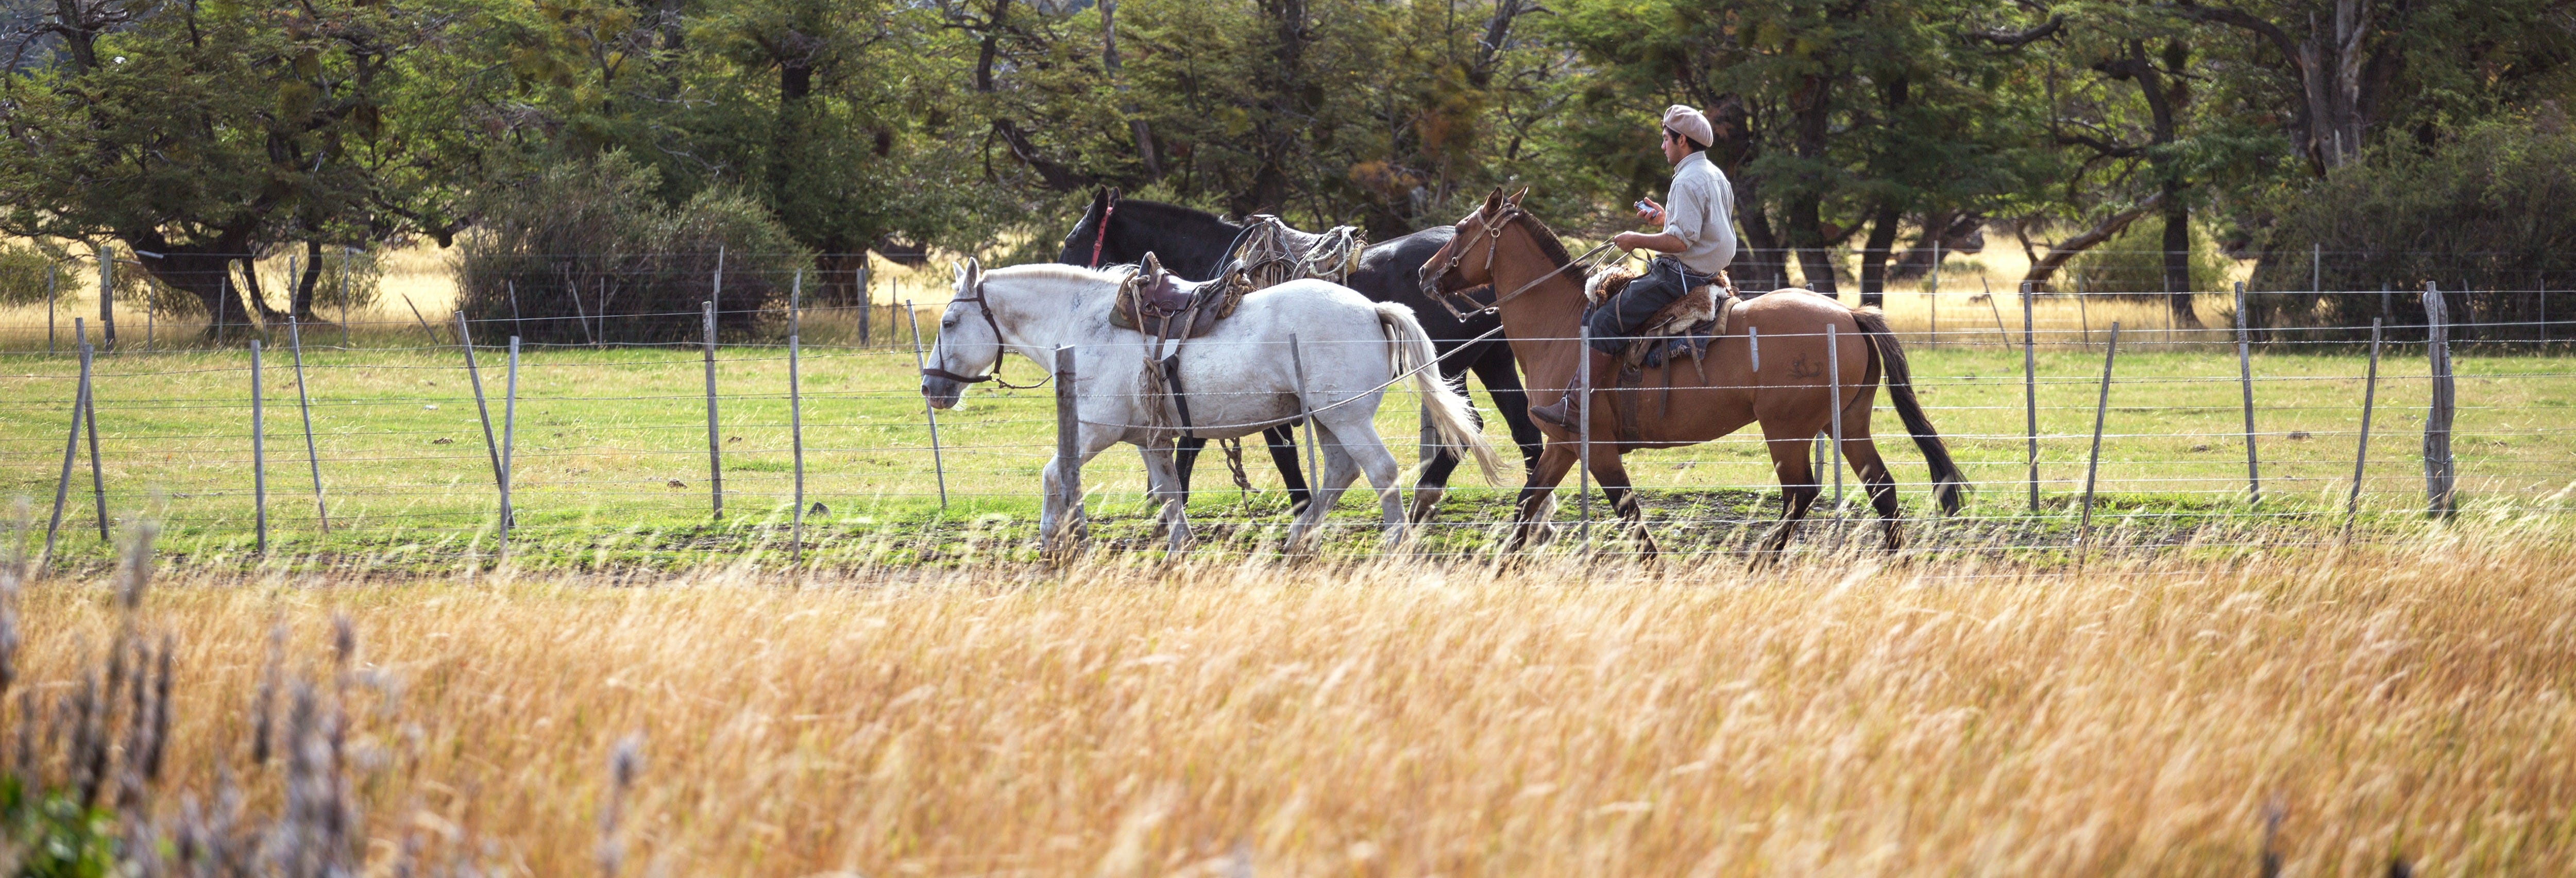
[22, 274]
[593, 229]
[2484, 212]
[24, 266]
[2132, 263]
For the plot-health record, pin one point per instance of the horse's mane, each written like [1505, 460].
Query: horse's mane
[1545, 237]
[1108, 274]
[1176, 212]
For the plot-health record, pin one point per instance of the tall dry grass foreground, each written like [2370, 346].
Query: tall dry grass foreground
[2164, 718]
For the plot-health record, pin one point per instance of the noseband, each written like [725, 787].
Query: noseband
[985, 307]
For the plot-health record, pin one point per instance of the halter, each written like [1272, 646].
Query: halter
[1493, 229]
[1100, 236]
[985, 307]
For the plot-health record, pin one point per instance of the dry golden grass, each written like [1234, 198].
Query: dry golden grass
[1412, 720]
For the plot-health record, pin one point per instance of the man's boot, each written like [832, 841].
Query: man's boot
[1565, 410]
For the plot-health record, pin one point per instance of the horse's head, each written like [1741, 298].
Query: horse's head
[1467, 261]
[1090, 242]
[969, 343]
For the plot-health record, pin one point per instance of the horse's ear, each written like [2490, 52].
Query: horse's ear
[1494, 202]
[968, 272]
[1517, 196]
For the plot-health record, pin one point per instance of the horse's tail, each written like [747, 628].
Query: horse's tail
[1947, 482]
[1447, 409]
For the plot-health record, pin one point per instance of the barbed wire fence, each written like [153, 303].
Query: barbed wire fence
[619, 495]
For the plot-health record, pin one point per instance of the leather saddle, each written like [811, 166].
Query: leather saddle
[1162, 305]
[1686, 326]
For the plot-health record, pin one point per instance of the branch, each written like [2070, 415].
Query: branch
[2108, 150]
[2046, 266]
[2018, 39]
[2239, 18]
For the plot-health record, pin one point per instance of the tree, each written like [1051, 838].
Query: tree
[204, 134]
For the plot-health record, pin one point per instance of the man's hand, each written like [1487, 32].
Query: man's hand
[1650, 211]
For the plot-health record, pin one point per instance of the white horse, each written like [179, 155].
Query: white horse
[1238, 379]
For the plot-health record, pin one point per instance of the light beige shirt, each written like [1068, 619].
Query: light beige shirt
[1700, 210]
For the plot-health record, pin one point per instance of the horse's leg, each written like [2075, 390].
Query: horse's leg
[1862, 452]
[1329, 484]
[1163, 485]
[1283, 451]
[1612, 473]
[1053, 508]
[1366, 452]
[1553, 463]
[1186, 459]
[1502, 378]
[1798, 486]
[1438, 461]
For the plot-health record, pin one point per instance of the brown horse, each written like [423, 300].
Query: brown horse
[1541, 300]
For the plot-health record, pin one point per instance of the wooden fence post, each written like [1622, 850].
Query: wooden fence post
[52, 271]
[2361, 456]
[938, 464]
[106, 297]
[2245, 380]
[867, 301]
[796, 412]
[1583, 433]
[71, 453]
[2441, 475]
[483, 410]
[2029, 394]
[509, 421]
[1834, 383]
[2093, 464]
[304, 405]
[258, 451]
[1068, 458]
[89, 415]
[348, 256]
[715, 438]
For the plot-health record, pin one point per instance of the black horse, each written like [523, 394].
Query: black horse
[1192, 243]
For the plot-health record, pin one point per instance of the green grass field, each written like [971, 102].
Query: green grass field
[611, 463]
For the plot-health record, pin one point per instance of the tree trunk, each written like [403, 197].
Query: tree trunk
[1873, 254]
[301, 304]
[1805, 207]
[205, 272]
[2177, 247]
[1117, 70]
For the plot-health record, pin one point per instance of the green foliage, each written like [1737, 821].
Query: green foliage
[2133, 262]
[49, 835]
[574, 241]
[27, 274]
[2483, 213]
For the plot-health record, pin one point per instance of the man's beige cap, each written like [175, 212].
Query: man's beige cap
[1689, 123]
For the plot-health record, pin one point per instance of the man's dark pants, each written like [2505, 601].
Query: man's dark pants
[1665, 279]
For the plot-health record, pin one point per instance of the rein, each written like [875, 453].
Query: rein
[984, 307]
[1101, 236]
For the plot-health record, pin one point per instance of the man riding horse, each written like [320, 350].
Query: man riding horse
[1697, 242]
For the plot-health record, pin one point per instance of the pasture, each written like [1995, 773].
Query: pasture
[611, 469]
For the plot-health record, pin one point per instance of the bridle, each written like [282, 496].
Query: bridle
[1100, 236]
[984, 306]
[1493, 234]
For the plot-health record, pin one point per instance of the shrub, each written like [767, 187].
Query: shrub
[2132, 263]
[2482, 213]
[594, 230]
